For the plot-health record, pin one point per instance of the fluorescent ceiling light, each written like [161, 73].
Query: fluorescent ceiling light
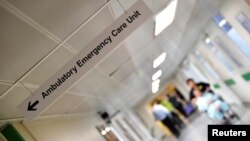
[165, 17]
[103, 132]
[155, 89]
[157, 75]
[159, 60]
[156, 83]
[207, 40]
[107, 129]
[222, 23]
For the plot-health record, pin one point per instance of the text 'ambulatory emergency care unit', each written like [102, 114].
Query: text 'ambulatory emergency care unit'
[85, 60]
[93, 53]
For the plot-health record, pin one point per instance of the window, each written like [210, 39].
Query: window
[232, 34]
[191, 71]
[211, 70]
[229, 53]
[244, 21]
[220, 56]
[206, 65]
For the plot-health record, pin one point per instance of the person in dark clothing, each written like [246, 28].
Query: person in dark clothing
[162, 114]
[172, 88]
[176, 119]
[179, 94]
[177, 102]
[202, 87]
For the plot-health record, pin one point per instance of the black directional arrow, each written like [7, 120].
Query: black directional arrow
[31, 107]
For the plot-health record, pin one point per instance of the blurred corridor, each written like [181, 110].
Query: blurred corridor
[122, 70]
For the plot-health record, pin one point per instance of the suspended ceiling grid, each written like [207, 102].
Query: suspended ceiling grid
[38, 37]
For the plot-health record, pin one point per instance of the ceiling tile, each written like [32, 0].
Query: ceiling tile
[29, 87]
[131, 99]
[64, 104]
[160, 4]
[115, 60]
[168, 47]
[116, 8]
[107, 89]
[124, 71]
[131, 81]
[143, 89]
[119, 7]
[118, 95]
[89, 83]
[140, 37]
[156, 5]
[111, 92]
[184, 6]
[21, 46]
[50, 66]
[89, 106]
[183, 19]
[91, 30]
[127, 3]
[9, 103]
[4, 87]
[61, 17]
[114, 107]
[145, 57]
[173, 34]
[150, 4]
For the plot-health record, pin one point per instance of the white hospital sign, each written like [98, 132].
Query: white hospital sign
[79, 65]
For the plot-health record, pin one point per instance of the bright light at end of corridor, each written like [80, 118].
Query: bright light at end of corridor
[165, 17]
[155, 89]
[157, 75]
[107, 129]
[207, 40]
[103, 132]
[159, 60]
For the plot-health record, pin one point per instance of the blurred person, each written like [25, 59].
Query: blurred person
[178, 103]
[215, 108]
[212, 105]
[167, 104]
[172, 88]
[162, 114]
[201, 86]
